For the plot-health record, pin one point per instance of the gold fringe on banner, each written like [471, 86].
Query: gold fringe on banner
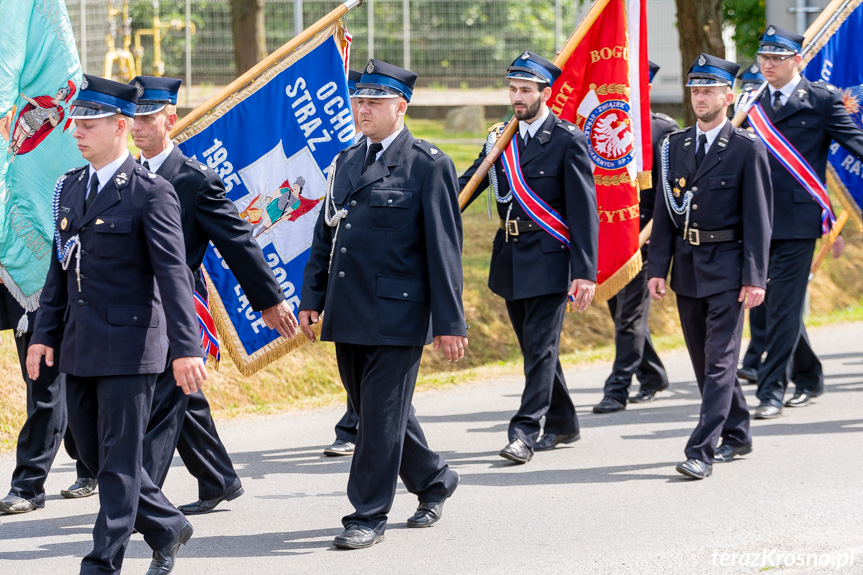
[607, 289]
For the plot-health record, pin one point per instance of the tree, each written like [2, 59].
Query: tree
[747, 17]
[247, 26]
[699, 28]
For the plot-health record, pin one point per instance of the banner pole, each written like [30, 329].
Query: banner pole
[280, 53]
[828, 243]
[503, 140]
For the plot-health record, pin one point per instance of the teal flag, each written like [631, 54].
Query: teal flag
[39, 75]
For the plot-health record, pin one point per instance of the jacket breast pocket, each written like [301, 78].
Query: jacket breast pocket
[723, 191]
[132, 315]
[389, 208]
[541, 171]
[808, 123]
[113, 237]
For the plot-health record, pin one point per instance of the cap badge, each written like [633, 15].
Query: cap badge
[140, 89]
[64, 223]
[121, 178]
[771, 31]
[525, 56]
[754, 68]
[370, 68]
[702, 60]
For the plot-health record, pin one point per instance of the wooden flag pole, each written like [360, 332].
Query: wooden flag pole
[508, 132]
[829, 240]
[251, 74]
[813, 33]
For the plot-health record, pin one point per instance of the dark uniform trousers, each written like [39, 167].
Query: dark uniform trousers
[812, 118]
[185, 422]
[45, 426]
[346, 428]
[116, 330]
[630, 308]
[380, 382]
[533, 270]
[712, 327]
[731, 192]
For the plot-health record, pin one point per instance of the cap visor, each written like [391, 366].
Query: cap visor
[775, 50]
[85, 113]
[706, 82]
[147, 109]
[373, 93]
[520, 75]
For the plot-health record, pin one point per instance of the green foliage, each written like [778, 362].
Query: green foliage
[747, 17]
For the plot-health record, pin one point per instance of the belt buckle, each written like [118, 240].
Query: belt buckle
[694, 237]
[512, 227]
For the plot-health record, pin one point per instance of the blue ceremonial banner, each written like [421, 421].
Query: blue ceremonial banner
[271, 143]
[837, 61]
[39, 75]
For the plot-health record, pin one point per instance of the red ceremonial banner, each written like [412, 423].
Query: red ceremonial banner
[594, 93]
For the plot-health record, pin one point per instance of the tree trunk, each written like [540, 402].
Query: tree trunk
[699, 28]
[247, 26]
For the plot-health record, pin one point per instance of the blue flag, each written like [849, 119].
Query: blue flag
[39, 75]
[838, 62]
[271, 144]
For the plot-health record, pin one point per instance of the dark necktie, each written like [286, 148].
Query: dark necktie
[526, 139]
[146, 165]
[92, 193]
[372, 155]
[777, 103]
[702, 149]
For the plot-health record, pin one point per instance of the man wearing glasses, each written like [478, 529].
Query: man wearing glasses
[809, 116]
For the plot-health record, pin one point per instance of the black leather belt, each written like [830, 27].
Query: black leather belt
[698, 237]
[515, 227]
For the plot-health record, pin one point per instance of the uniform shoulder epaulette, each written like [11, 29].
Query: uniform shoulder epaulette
[432, 151]
[745, 134]
[566, 125]
[203, 168]
[73, 170]
[679, 132]
[145, 174]
[824, 86]
[665, 117]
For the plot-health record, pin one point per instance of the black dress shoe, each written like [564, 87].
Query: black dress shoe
[748, 374]
[83, 487]
[800, 399]
[206, 505]
[429, 512]
[163, 559]
[340, 447]
[695, 468]
[357, 537]
[608, 405]
[767, 411]
[517, 451]
[552, 440]
[12, 505]
[726, 453]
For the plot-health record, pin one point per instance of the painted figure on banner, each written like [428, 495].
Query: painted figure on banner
[38, 117]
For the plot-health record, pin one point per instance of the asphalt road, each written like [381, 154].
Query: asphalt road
[611, 503]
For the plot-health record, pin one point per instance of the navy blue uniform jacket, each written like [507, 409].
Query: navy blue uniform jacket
[557, 168]
[396, 276]
[731, 190]
[810, 119]
[130, 240]
[208, 215]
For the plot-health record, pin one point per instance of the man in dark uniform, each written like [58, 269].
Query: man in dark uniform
[45, 426]
[386, 266]
[346, 428]
[712, 218]
[633, 349]
[176, 419]
[119, 292]
[533, 270]
[809, 115]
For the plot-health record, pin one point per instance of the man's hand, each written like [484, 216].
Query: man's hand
[751, 296]
[838, 247]
[656, 288]
[189, 373]
[34, 359]
[583, 290]
[280, 318]
[307, 318]
[452, 346]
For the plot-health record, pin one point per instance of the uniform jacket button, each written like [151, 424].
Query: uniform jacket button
[341, 274]
[347, 226]
[111, 227]
[405, 294]
[694, 189]
[694, 206]
[389, 201]
[353, 202]
[344, 250]
[515, 240]
[83, 229]
[134, 318]
[80, 303]
[722, 183]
